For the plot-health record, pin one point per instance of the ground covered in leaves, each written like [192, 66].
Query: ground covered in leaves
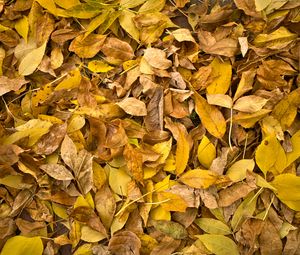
[149, 127]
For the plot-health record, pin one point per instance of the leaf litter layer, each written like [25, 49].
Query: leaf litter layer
[149, 127]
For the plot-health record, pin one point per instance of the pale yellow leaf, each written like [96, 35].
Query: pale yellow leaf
[238, 170]
[32, 60]
[219, 244]
[48, 5]
[250, 104]
[213, 226]
[152, 6]
[295, 153]
[126, 22]
[219, 100]
[133, 106]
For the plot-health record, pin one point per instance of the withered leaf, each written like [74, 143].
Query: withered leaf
[116, 50]
[133, 106]
[7, 84]
[124, 242]
[157, 58]
[170, 228]
[87, 47]
[58, 172]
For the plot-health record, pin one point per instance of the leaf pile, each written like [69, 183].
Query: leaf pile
[149, 127]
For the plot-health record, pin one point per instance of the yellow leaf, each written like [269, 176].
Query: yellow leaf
[126, 22]
[119, 222]
[159, 213]
[72, 81]
[295, 153]
[170, 165]
[213, 226]
[21, 245]
[118, 180]
[199, 179]
[98, 66]
[244, 211]
[32, 60]
[96, 22]
[81, 11]
[261, 4]
[38, 98]
[206, 152]
[210, 116]
[90, 235]
[99, 175]
[67, 4]
[270, 156]
[131, 3]
[152, 6]
[60, 210]
[287, 190]
[85, 249]
[221, 72]
[219, 244]
[275, 40]
[286, 110]
[248, 120]
[182, 152]
[76, 122]
[237, 172]
[48, 5]
[33, 129]
[171, 202]
[164, 149]
[22, 27]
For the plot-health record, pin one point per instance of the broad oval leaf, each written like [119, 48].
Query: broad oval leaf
[210, 116]
[21, 245]
[213, 226]
[206, 152]
[270, 156]
[219, 244]
[170, 228]
[32, 60]
[58, 172]
[238, 170]
[199, 179]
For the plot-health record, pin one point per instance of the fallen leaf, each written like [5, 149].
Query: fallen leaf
[200, 179]
[87, 47]
[170, 228]
[182, 152]
[32, 60]
[133, 106]
[270, 156]
[124, 242]
[22, 245]
[213, 226]
[206, 152]
[157, 58]
[7, 84]
[58, 172]
[219, 244]
[210, 116]
[250, 104]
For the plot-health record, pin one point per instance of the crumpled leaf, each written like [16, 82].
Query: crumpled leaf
[7, 84]
[157, 58]
[87, 47]
[117, 51]
[124, 242]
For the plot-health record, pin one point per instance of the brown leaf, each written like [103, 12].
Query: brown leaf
[51, 141]
[125, 243]
[157, 58]
[87, 47]
[9, 154]
[116, 50]
[58, 172]
[7, 84]
[134, 162]
[154, 118]
[133, 106]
